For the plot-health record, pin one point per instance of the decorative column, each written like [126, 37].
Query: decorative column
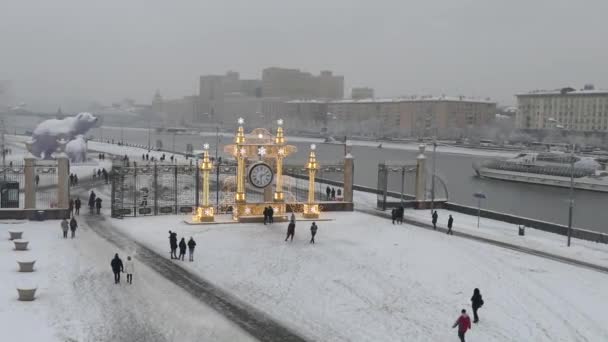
[204, 213]
[240, 157]
[349, 176]
[311, 208]
[421, 175]
[63, 187]
[280, 142]
[30, 182]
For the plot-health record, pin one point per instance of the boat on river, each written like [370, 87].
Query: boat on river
[547, 168]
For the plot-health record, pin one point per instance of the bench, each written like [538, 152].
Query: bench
[27, 294]
[26, 265]
[15, 234]
[21, 245]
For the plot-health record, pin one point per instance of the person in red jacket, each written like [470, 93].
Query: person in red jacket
[464, 323]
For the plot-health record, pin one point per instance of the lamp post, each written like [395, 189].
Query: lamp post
[433, 176]
[558, 125]
[571, 194]
[479, 196]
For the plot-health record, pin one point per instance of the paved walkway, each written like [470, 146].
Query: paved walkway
[256, 323]
[498, 243]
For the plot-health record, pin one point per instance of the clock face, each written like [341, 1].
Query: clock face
[260, 175]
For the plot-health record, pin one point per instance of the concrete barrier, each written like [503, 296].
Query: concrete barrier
[26, 266]
[21, 245]
[15, 234]
[26, 294]
[30, 214]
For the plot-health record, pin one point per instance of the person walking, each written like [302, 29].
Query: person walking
[463, 323]
[270, 215]
[71, 207]
[435, 217]
[293, 217]
[400, 212]
[191, 245]
[182, 249]
[75, 179]
[71, 179]
[476, 303]
[129, 269]
[313, 232]
[77, 205]
[266, 215]
[98, 204]
[37, 179]
[173, 244]
[73, 226]
[450, 223]
[394, 215]
[117, 267]
[291, 230]
[328, 192]
[64, 228]
[333, 194]
[92, 200]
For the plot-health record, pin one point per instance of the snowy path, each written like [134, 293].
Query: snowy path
[249, 319]
[367, 280]
[491, 241]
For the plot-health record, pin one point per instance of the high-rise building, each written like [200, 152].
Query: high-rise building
[213, 90]
[445, 117]
[362, 93]
[296, 84]
[583, 110]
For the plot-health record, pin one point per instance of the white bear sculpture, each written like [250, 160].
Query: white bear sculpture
[46, 136]
[77, 149]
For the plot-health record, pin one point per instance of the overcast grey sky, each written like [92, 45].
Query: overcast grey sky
[64, 51]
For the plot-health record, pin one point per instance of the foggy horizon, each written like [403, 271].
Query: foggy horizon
[69, 53]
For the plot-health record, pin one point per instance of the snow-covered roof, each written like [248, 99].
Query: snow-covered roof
[559, 92]
[401, 100]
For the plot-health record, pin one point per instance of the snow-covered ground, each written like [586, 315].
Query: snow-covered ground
[368, 280]
[78, 301]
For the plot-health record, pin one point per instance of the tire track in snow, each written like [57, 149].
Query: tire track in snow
[256, 323]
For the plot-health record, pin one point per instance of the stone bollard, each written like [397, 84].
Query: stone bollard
[27, 294]
[21, 245]
[26, 266]
[15, 234]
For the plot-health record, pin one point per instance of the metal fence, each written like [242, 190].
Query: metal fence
[158, 188]
[12, 184]
[397, 183]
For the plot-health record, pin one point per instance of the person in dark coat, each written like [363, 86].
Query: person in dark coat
[71, 179]
[77, 205]
[435, 216]
[191, 245]
[37, 179]
[71, 207]
[291, 230]
[98, 205]
[394, 215]
[92, 200]
[116, 268]
[450, 223]
[270, 215]
[333, 194]
[266, 215]
[75, 179]
[400, 212]
[476, 303]
[182, 249]
[173, 244]
[313, 232]
[328, 192]
[73, 226]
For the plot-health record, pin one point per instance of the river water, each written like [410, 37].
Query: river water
[528, 200]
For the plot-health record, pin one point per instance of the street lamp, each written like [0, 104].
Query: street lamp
[433, 176]
[558, 125]
[479, 196]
